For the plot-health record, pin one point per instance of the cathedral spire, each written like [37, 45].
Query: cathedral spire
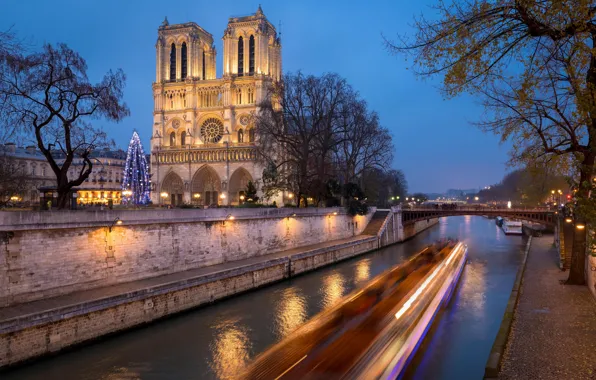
[259, 11]
[165, 22]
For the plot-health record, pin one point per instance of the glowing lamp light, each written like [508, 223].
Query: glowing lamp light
[568, 220]
[242, 197]
[14, 198]
[407, 198]
[119, 222]
[163, 195]
[197, 195]
[392, 198]
[334, 213]
[552, 191]
[508, 204]
[290, 195]
[476, 198]
[222, 196]
[230, 217]
[127, 193]
[397, 197]
[580, 226]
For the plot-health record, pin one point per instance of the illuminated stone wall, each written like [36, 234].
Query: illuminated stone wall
[56, 253]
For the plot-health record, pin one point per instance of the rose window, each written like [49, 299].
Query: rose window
[212, 130]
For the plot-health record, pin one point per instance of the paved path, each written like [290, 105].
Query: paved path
[43, 305]
[553, 335]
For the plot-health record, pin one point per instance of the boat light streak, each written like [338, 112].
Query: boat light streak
[419, 291]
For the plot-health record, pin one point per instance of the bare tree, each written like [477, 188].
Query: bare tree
[48, 97]
[533, 65]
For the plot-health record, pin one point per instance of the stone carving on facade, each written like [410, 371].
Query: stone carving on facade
[176, 124]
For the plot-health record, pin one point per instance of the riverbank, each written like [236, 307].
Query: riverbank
[38, 328]
[552, 335]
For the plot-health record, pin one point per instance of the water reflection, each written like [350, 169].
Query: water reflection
[333, 289]
[121, 373]
[362, 271]
[230, 350]
[473, 288]
[443, 227]
[290, 311]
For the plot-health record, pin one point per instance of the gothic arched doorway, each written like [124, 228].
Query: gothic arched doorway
[238, 183]
[205, 187]
[172, 189]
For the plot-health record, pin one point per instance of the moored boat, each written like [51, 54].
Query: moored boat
[499, 221]
[512, 227]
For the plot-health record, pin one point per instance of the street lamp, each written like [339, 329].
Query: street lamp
[580, 226]
[476, 198]
[568, 220]
[116, 221]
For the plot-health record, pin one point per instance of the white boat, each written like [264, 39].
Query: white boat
[513, 227]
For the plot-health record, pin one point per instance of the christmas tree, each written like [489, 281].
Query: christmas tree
[135, 181]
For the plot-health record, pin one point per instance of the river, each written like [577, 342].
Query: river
[215, 341]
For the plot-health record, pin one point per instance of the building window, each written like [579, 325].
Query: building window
[173, 139]
[184, 60]
[239, 96]
[240, 56]
[43, 171]
[183, 138]
[203, 64]
[251, 95]
[240, 135]
[251, 55]
[173, 62]
[212, 130]
[251, 135]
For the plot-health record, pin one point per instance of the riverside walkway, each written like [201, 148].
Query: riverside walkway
[553, 335]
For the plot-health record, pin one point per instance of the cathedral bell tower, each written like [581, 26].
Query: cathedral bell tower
[251, 47]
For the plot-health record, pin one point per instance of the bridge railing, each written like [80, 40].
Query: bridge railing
[479, 209]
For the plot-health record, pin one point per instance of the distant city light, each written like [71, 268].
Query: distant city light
[508, 204]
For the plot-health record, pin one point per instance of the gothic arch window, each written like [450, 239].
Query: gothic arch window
[239, 96]
[251, 55]
[240, 135]
[203, 64]
[173, 139]
[240, 56]
[184, 65]
[251, 135]
[212, 130]
[251, 95]
[173, 62]
[183, 138]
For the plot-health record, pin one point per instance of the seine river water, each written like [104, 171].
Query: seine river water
[215, 341]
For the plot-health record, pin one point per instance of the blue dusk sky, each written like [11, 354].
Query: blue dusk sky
[435, 145]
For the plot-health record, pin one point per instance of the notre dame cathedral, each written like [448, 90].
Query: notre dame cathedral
[202, 144]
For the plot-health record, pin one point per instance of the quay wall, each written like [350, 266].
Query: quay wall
[44, 254]
[40, 334]
[163, 243]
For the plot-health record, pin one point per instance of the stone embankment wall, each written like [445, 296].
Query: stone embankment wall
[45, 254]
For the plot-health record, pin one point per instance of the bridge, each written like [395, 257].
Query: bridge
[539, 215]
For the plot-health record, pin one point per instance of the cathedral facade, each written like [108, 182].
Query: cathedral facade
[202, 145]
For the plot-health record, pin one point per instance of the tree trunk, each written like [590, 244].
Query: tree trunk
[577, 269]
[63, 200]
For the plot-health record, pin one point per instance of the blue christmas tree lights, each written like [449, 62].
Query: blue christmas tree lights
[136, 183]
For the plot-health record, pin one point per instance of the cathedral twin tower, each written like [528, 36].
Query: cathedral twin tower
[202, 150]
